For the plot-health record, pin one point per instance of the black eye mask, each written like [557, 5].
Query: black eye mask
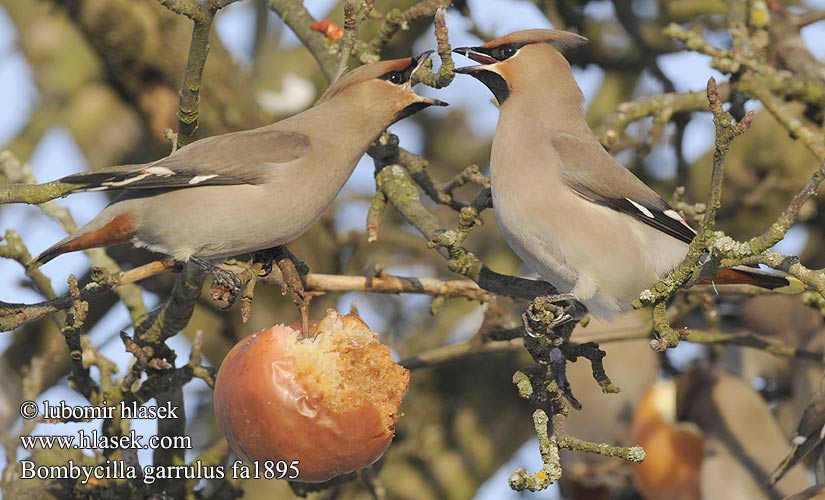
[398, 77]
[502, 52]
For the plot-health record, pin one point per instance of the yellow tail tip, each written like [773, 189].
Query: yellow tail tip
[794, 286]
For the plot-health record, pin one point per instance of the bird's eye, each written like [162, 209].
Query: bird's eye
[394, 77]
[504, 52]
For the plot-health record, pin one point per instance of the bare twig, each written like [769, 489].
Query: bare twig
[446, 72]
[787, 218]
[14, 315]
[386, 283]
[80, 378]
[16, 171]
[353, 17]
[809, 18]
[202, 14]
[726, 131]
[537, 385]
[395, 20]
[454, 352]
[299, 20]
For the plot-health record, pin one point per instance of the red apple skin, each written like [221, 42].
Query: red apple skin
[265, 414]
[672, 469]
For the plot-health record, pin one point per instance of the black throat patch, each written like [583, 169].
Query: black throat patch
[411, 110]
[497, 85]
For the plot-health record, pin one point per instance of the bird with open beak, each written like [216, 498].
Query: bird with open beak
[571, 211]
[252, 190]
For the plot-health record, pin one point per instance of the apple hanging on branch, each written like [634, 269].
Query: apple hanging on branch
[329, 401]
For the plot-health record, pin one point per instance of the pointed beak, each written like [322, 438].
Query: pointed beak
[419, 62]
[433, 102]
[474, 54]
[421, 58]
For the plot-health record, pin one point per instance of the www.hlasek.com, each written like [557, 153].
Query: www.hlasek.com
[92, 469]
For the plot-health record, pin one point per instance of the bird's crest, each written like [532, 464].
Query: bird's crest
[556, 38]
[364, 73]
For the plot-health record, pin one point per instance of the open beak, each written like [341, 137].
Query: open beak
[418, 63]
[472, 53]
[420, 59]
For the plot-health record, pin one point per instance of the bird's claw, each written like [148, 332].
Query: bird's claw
[226, 286]
[544, 314]
[266, 259]
[561, 316]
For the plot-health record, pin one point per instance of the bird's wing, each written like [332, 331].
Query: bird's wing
[811, 429]
[811, 493]
[248, 157]
[593, 174]
[810, 433]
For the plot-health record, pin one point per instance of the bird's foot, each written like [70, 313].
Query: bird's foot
[273, 255]
[226, 285]
[265, 259]
[545, 313]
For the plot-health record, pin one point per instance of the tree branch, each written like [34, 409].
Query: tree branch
[295, 15]
[14, 315]
[202, 15]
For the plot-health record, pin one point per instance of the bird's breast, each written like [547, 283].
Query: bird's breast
[604, 257]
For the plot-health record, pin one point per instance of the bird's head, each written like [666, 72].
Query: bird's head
[384, 85]
[520, 60]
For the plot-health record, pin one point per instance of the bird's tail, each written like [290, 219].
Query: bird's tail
[50, 253]
[743, 275]
[119, 229]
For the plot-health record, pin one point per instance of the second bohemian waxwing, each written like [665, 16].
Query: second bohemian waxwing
[809, 435]
[252, 190]
[572, 212]
[740, 434]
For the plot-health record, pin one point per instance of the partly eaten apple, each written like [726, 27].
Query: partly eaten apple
[329, 401]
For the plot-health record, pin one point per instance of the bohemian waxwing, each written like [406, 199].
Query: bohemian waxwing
[809, 435]
[741, 437]
[816, 492]
[571, 211]
[251, 190]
